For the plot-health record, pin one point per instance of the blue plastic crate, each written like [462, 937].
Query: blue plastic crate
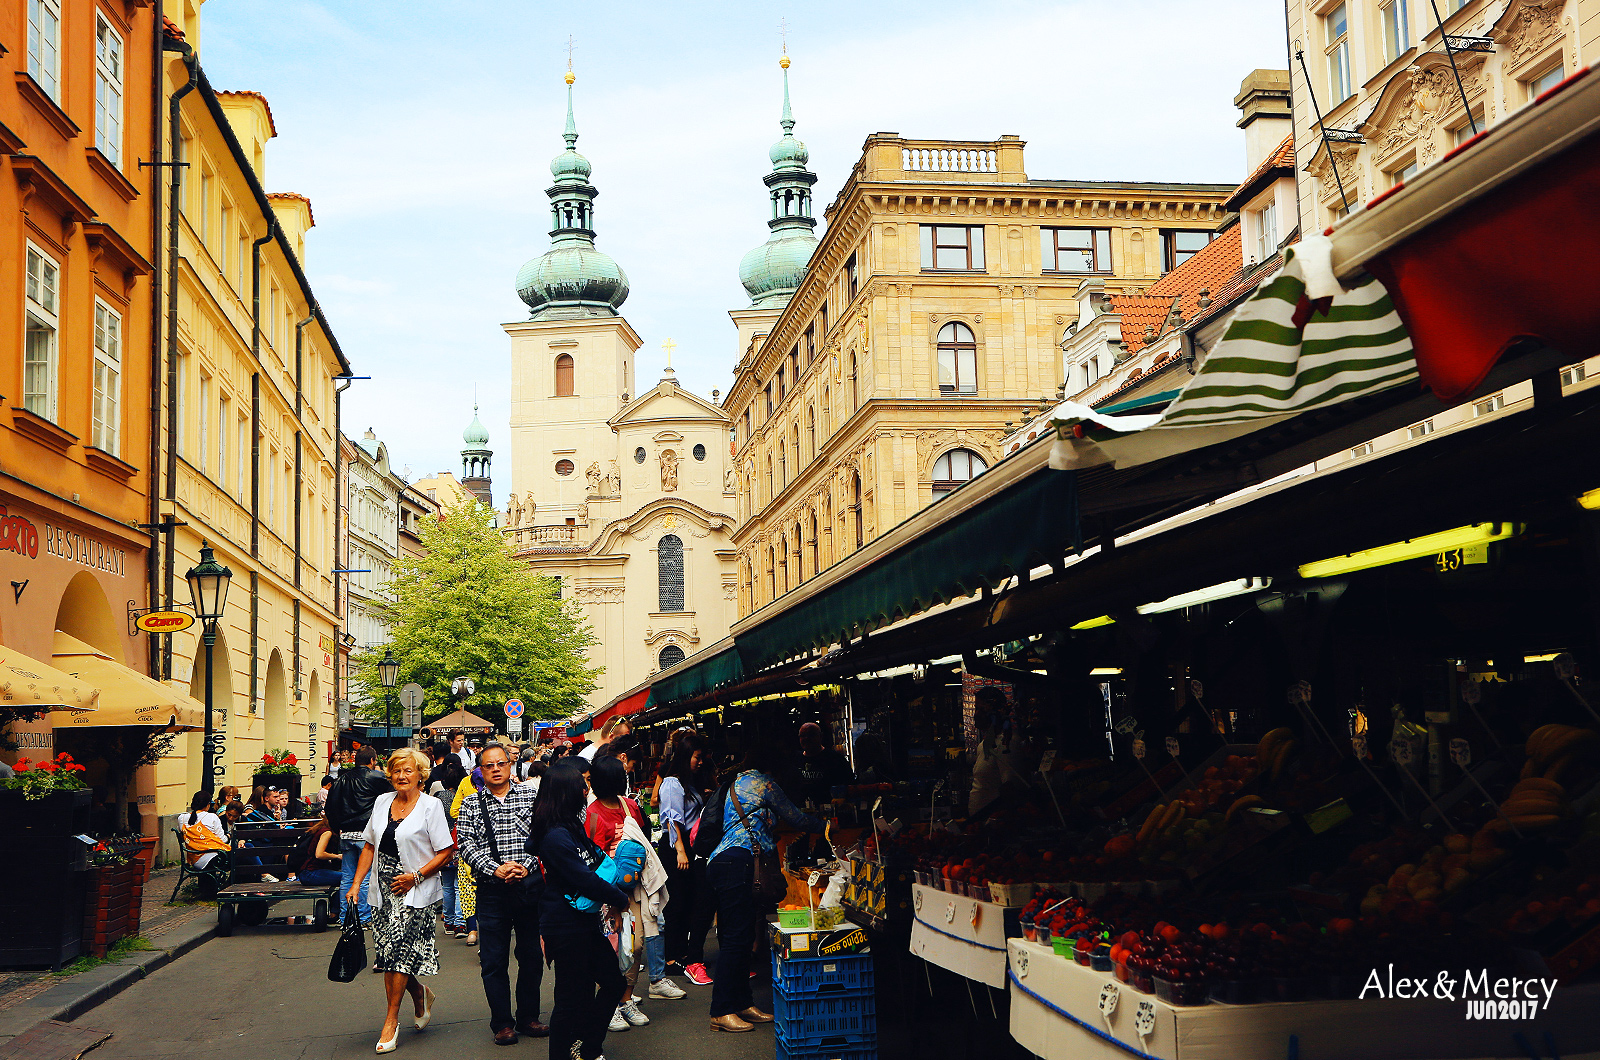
[825, 1020]
[831, 975]
[866, 1049]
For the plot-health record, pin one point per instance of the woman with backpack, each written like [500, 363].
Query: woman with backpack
[589, 985]
[752, 809]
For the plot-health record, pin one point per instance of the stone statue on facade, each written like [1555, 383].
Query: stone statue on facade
[613, 481]
[669, 471]
[727, 481]
[592, 473]
[513, 511]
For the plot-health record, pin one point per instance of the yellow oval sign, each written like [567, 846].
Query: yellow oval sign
[165, 621]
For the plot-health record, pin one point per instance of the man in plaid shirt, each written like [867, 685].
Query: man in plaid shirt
[509, 882]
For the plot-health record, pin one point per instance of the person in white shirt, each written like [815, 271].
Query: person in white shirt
[458, 747]
[203, 832]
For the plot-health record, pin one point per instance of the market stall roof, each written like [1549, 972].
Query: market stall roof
[619, 707]
[28, 683]
[127, 697]
[460, 719]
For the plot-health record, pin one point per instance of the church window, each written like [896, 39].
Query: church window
[564, 375]
[671, 655]
[699, 451]
[669, 568]
[564, 467]
[955, 468]
[958, 360]
[639, 455]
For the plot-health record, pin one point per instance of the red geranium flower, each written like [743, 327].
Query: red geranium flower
[269, 760]
[22, 765]
[290, 759]
[48, 767]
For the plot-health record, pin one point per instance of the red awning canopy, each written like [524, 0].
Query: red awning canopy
[621, 708]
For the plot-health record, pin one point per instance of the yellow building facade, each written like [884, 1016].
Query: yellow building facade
[250, 445]
[885, 369]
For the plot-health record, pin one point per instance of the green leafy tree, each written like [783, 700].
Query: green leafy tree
[468, 608]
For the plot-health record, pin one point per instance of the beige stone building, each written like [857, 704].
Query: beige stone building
[626, 496]
[1388, 97]
[882, 369]
[443, 490]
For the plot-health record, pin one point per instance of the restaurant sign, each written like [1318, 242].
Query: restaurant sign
[164, 622]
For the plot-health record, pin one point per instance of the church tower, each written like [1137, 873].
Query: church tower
[475, 472]
[772, 272]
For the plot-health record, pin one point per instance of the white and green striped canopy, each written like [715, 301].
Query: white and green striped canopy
[1299, 342]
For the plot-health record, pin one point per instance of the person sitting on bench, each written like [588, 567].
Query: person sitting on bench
[317, 859]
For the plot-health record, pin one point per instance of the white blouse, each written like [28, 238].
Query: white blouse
[419, 838]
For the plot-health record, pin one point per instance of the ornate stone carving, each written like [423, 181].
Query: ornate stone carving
[593, 474]
[730, 590]
[513, 512]
[612, 484]
[1349, 173]
[669, 471]
[1529, 29]
[727, 481]
[597, 594]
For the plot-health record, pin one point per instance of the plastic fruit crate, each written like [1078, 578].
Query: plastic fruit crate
[810, 978]
[862, 1050]
[828, 1019]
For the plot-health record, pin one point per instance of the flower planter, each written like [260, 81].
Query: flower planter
[42, 901]
[58, 813]
[112, 905]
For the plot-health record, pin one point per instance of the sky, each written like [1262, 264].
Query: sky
[423, 134]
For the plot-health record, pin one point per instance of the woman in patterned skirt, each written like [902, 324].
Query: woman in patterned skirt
[407, 843]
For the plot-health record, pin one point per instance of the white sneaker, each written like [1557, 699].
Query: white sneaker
[267, 877]
[666, 988]
[618, 1022]
[630, 1012]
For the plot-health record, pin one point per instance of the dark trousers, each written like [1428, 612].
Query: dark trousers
[499, 914]
[731, 875]
[689, 910]
[589, 987]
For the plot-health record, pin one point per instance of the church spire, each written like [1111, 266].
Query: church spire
[771, 272]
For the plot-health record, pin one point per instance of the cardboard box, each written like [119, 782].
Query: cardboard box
[805, 944]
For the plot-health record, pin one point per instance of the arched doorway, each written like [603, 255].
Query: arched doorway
[221, 681]
[275, 710]
[84, 613]
[314, 737]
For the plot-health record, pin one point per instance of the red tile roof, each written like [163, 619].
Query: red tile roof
[170, 28]
[294, 195]
[1279, 163]
[271, 125]
[1211, 269]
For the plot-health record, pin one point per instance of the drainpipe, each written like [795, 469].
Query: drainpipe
[174, 206]
[255, 634]
[297, 491]
[152, 556]
[299, 358]
[297, 649]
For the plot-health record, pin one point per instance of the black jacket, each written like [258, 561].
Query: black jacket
[350, 800]
[569, 869]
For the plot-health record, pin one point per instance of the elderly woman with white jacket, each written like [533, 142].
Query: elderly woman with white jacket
[407, 843]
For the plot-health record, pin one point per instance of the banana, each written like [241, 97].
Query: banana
[1281, 757]
[1241, 805]
[1150, 823]
[1538, 784]
[1269, 741]
[1537, 738]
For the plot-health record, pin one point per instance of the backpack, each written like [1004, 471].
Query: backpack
[621, 869]
[706, 835]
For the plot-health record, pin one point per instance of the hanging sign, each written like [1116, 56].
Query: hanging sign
[1460, 752]
[164, 621]
[1138, 748]
[1172, 746]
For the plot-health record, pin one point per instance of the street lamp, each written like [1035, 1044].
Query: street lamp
[208, 588]
[388, 673]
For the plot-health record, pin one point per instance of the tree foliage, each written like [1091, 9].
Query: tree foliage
[468, 608]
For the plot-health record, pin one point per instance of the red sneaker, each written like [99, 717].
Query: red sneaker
[698, 975]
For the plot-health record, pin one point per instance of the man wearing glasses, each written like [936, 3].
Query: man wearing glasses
[491, 833]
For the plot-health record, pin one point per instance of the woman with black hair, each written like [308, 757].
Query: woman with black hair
[690, 905]
[204, 843]
[589, 985]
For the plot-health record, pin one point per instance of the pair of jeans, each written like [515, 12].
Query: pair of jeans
[349, 861]
[655, 956]
[502, 910]
[732, 875]
[321, 877]
[690, 908]
[589, 987]
[452, 912]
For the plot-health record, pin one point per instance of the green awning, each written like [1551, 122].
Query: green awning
[1031, 523]
[722, 668]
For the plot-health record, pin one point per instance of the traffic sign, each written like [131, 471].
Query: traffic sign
[513, 708]
[514, 726]
[411, 695]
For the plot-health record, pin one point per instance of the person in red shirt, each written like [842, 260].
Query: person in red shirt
[603, 823]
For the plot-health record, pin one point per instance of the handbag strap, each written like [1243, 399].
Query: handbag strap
[488, 827]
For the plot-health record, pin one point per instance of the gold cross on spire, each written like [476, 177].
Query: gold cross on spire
[570, 46]
[783, 33]
[669, 346]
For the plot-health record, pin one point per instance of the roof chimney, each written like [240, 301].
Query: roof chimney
[1265, 114]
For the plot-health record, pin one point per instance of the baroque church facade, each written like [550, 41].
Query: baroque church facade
[626, 495]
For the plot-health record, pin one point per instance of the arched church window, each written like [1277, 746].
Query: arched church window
[669, 567]
[699, 452]
[638, 455]
[671, 655]
[564, 375]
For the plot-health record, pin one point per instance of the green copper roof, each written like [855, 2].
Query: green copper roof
[476, 433]
[771, 272]
[573, 278]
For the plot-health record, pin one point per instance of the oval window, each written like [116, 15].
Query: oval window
[699, 452]
[638, 455]
[565, 467]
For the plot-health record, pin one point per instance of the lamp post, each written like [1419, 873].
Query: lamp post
[388, 673]
[208, 589]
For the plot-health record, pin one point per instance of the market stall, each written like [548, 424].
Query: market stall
[961, 934]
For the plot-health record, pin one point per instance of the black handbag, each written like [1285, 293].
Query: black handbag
[770, 885]
[350, 955]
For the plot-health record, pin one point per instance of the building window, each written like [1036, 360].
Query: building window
[1178, 247]
[1490, 404]
[811, 432]
[861, 525]
[797, 464]
[639, 455]
[958, 360]
[783, 565]
[769, 401]
[782, 389]
[855, 394]
[852, 278]
[955, 468]
[1538, 86]
[770, 492]
[1364, 449]
[772, 574]
[565, 467]
[823, 317]
[1396, 30]
[783, 466]
[669, 572]
[699, 451]
[564, 375]
[1420, 430]
[952, 247]
[671, 655]
[1464, 132]
[1075, 249]
[43, 329]
[44, 45]
[272, 487]
[816, 549]
[108, 90]
[799, 544]
[1403, 174]
[204, 449]
[224, 424]
[1573, 373]
[107, 379]
[746, 422]
[1266, 232]
[1336, 30]
[811, 348]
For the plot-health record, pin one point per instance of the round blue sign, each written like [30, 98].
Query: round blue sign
[513, 708]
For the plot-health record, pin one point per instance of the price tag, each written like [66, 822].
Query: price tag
[1472, 691]
[976, 916]
[1138, 748]
[1127, 725]
[1198, 689]
[1460, 752]
[1047, 761]
[1566, 666]
[1172, 746]
[1401, 751]
[950, 913]
[1300, 693]
[1109, 996]
[1144, 1021]
[1022, 964]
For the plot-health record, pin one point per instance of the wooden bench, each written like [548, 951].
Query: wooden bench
[264, 850]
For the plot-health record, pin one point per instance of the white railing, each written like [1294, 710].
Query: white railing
[949, 160]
